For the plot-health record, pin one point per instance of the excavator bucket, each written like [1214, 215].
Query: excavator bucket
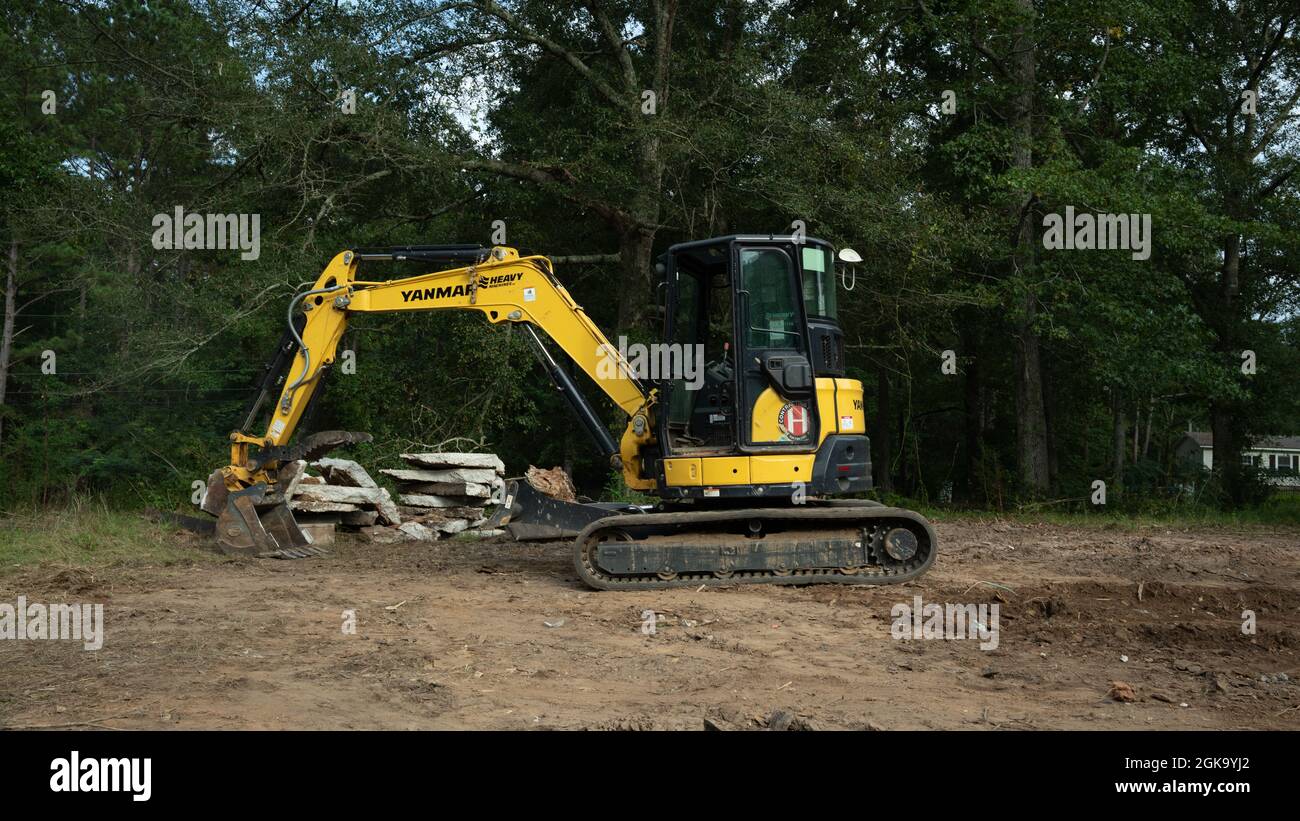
[250, 526]
[256, 521]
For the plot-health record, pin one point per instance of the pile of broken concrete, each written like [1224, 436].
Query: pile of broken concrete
[448, 491]
[442, 495]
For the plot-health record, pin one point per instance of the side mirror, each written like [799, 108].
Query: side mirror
[849, 257]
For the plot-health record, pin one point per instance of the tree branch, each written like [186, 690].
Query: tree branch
[556, 178]
[616, 43]
[1278, 181]
[991, 57]
[665, 15]
[527, 34]
[578, 259]
[1266, 59]
[1196, 131]
[1268, 135]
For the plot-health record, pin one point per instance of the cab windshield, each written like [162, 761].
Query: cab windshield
[819, 282]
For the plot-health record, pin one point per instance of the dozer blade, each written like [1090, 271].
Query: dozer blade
[204, 527]
[527, 514]
[266, 533]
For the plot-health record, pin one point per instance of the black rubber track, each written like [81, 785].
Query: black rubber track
[832, 516]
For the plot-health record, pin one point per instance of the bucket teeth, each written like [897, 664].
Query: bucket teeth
[294, 553]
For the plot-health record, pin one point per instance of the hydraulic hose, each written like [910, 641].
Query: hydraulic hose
[287, 401]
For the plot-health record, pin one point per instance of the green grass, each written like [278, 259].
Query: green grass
[1280, 510]
[616, 490]
[87, 533]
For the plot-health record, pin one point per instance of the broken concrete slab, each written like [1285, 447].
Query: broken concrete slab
[360, 518]
[383, 535]
[454, 460]
[322, 498]
[468, 489]
[440, 514]
[344, 495]
[417, 531]
[425, 500]
[452, 526]
[388, 512]
[291, 475]
[322, 518]
[320, 533]
[475, 475]
[344, 472]
[313, 506]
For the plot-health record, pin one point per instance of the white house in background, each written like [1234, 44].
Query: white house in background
[1278, 455]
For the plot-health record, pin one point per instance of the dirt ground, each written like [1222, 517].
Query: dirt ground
[494, 634]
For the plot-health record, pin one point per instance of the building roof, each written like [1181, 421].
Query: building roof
[1206, 440]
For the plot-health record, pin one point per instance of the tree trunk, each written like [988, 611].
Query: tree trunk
[1119, 431]
[1031, 434]
[883, 436]
[905, 483]
[1226, 450]
[7, 333]
[974, 422]
[1049, 426]
[1146, 437]
[636, 298]
[1227, 447]
[1137, 430]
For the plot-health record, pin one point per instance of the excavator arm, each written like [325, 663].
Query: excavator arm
[498, 283]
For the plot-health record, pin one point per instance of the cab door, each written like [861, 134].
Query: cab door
[777, 408]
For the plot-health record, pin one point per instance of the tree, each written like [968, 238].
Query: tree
[611, 63]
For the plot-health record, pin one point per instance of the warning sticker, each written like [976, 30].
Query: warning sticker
[530, 295]
[846, 423]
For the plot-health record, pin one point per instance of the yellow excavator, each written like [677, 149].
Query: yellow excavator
[741, 421]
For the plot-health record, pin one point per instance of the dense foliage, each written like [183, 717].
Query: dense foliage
[933, 137]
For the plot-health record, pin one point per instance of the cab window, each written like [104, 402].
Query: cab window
[771, 307]
[819, 282]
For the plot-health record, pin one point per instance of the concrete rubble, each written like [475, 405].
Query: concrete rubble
[440, 494]
[447, 492]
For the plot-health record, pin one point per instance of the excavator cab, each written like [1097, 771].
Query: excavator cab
[760, 311]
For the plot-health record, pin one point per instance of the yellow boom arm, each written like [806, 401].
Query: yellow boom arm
[504, 288]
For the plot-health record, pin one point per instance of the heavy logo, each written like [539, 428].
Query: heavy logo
[450, 291]
[793, 420]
